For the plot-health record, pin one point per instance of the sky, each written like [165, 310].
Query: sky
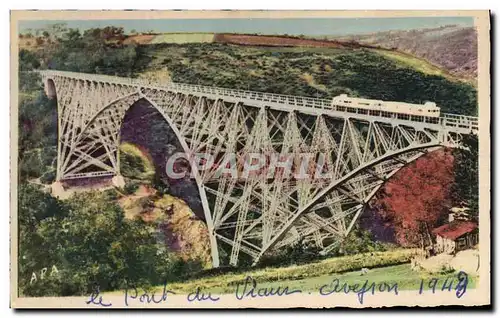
[295, 26]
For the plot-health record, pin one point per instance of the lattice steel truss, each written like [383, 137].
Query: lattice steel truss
[251, 216]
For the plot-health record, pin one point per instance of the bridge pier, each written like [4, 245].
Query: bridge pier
[58, 191]
[118, 181]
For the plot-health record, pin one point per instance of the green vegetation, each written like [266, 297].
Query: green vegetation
[317, 72]
[466, 186]
[388, 266]
[37, 127]
[130, 187]
[451, 47]
[94, 51]
[135, 164]
[403, 275]
[227, 282]
[38, 163]
[419, 64]
[359, 241]
[91, 243]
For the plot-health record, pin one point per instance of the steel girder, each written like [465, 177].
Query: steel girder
[254, 215]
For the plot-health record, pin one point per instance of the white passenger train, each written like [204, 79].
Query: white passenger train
[429, 109]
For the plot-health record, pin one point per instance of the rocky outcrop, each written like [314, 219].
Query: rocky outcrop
[179, 228]
[183, 231]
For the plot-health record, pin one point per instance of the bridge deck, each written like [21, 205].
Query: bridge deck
[313, 106]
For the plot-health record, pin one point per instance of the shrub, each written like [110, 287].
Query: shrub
[111, 194]
[135, 164]
[298, 253]
[358, 241]
[160, 186]
[48, 177]
[130, 187]
[30, 166]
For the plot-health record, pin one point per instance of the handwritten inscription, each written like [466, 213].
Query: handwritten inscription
[249, 289]
[360, 289]
[133, 294]
[448, 284]
[96, 299]
[198, 295]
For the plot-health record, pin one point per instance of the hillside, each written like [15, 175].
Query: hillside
[321, 72]
[401, 46]
[450, 47]
[431, 51]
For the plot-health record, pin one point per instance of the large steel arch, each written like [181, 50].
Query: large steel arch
[403, 158]
[201, 190]
[118, 108]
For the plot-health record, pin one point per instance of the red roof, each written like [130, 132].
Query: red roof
[454, 230]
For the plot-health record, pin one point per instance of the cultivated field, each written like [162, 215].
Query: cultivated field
[175, 38]
[270, 40]
[180, 38]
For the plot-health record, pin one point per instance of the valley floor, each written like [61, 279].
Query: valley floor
[403, 275]
[311, 277]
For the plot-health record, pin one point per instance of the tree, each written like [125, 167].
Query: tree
[298, 253]
[28, 60]
[72, 35]
[33, 207]
[111, 32]
[466, 166]
[57, 30]
[418, 197]
[90, 242]
[358, 241]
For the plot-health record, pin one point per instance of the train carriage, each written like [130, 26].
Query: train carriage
[428, 109]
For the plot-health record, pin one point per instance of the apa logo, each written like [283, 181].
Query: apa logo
[53, 272]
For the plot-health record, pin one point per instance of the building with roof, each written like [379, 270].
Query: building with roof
[456, 236]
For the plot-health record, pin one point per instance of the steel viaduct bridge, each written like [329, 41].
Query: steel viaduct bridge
[363, 148]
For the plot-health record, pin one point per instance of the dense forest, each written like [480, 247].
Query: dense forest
[88, 239]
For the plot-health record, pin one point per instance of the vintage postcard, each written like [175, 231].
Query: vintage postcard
[250, 159]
